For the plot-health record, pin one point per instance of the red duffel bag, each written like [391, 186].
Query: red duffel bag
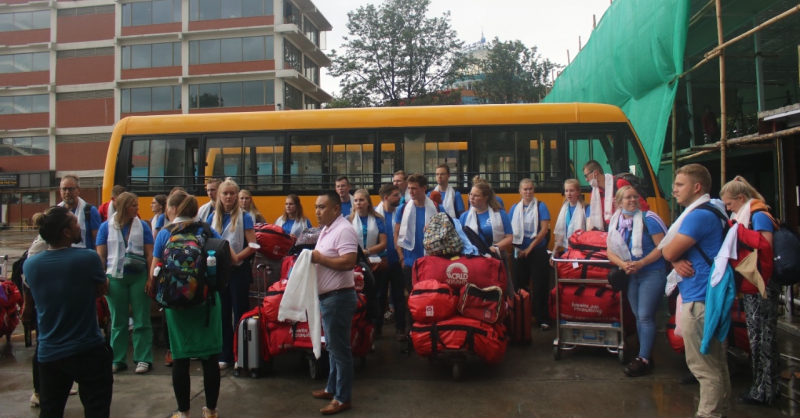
[283, 337]
[432, 301]
[739, 328]
[361, 337]
[487, 304]
[575, 270]
[586, 303]
[272, 301]
[286, 266]
[458, 271]
[275, 243]
[361, 308]
[459, 333]
[675, 341]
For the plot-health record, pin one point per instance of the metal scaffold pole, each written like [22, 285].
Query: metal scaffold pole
[723, 130]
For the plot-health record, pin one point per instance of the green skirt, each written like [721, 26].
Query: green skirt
[190, 336]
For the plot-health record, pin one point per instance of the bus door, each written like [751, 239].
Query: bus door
[600, 145]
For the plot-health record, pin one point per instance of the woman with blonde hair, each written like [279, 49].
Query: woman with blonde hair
[293, 221]
[573, 215]
[236, 226]
[370, 226]
[486, 218]
[247, 205]
[749, 211]
[633, 238]
[125, 244]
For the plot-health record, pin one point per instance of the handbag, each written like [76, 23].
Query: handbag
[134, 263]
[618, 279]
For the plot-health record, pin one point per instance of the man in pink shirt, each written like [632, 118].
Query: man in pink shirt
[335, 258]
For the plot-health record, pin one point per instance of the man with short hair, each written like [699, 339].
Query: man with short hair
[400, 179]
[335, 258]
[63, 283]
[698, 232]
[393, 277]
[207, 209]
[451, 199]
[343, 190]
[88, 216]
[107, 209]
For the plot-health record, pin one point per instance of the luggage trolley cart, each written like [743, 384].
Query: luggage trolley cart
[570, 334]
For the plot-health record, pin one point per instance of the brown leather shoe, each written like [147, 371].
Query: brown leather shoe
[168, 359]
[335, 407]
[321, 394]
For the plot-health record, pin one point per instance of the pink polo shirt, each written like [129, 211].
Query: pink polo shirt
[336, 240]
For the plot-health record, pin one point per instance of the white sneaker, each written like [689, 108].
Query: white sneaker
[208, 413]
[223, 365]
[180, 415]
[35, 400]
[142, 367]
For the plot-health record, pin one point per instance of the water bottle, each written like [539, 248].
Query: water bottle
[157, 270]
[211, 263]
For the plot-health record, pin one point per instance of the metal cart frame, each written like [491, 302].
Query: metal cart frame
[587, 334]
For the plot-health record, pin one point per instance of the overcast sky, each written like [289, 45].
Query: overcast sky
[552, 25]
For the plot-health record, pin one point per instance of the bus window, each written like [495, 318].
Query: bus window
[585, 146]
[159, 164]
[263, 161]
[309, 162]
[391, 156]
[354, 156]
[413, 153]
[224, 158]
[446, 148]
[544, 160]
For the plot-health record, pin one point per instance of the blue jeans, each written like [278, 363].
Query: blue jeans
[337, 312]
[645, 290]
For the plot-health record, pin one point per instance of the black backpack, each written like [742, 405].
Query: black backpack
[786, 253]
[634, 181]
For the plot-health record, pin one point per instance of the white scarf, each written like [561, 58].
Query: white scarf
[563, 230]
[524, 216]
[81, 221]
[115, 259]
[153, 223]
[596, 217]
[498, 232]
[111, 209]
[235, 237]
[448, 202]
[674, 278]
[742, 217]
[615, 237]
[406, 237]
[298, 227]
[204, 211]
[372, 230]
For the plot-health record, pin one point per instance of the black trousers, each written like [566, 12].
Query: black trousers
[91, 369]
[182, 385]
[393, 278]
[533, 273]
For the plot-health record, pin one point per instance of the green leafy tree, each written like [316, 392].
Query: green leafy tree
[513, 73]
[395, 53]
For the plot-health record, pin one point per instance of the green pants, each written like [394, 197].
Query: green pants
[126, 297]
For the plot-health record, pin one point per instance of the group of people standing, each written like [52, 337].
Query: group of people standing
[391, 236]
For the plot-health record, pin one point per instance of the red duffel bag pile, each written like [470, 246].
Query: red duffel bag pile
[585, 245]
[10, 302]
[459, 304]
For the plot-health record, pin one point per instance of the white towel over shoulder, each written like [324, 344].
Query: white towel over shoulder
[301, 301]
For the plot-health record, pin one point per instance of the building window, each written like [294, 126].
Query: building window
[24, 21]
[291, 14]
[235, 94]
[215, 51]
[292, 56]
[311, 31]
[151, 12]
[36, 145]
[311, 70]
[228, 9]
[10, 105]
[312, 104]
[151, 55]
[151, 99]
[293, 98]
[24, 63]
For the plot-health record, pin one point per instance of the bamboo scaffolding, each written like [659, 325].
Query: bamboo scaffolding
[723, 129]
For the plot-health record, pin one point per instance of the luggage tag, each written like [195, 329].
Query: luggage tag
[575, 265]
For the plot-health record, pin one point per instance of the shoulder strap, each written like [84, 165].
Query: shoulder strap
[709, 207]
[87, 219]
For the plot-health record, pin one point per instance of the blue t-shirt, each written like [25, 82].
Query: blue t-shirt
[102, 236]
[381, 230]
[706, 229]
[648, 245]
[62, 283]
[391, 252]
[160, 221]
[289, 223]
[94, 224]
[761, 222]
[163, 237]
[544, 215]
[347, 207]
[458, 202]
[571, 211]
[485, 224]
[226, 219]
[409, 257]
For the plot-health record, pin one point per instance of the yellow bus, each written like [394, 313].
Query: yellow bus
[273, 154]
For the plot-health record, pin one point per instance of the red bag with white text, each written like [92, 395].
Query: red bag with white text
[432, 301]
[586, 303]
[458, 271]
[487, 304]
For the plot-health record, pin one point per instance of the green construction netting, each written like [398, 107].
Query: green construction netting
[633, 55]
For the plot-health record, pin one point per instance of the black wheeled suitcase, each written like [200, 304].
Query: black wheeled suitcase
[248, 347]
